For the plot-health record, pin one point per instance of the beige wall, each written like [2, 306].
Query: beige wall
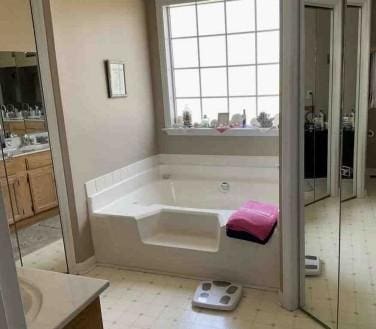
[20, 36]
[102, 134]
[201, 144]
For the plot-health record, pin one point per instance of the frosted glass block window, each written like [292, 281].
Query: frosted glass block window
[223, 56]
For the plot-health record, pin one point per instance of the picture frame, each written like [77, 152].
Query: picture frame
[223, 119]
[116, 79]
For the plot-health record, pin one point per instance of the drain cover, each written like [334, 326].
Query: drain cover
[218, 295]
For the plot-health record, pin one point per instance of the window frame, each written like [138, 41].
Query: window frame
[167, 68]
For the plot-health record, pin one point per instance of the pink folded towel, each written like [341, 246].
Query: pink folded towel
[255, 218]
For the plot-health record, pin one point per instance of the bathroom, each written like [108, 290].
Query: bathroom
[134, 132]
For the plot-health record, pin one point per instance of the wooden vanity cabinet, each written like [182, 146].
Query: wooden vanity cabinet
[89, 318]
[43, 190]
[22, 127]
[15, 127]
[23, 196]
[8, 190]
[35, 126]
[30, 188]
[15, 190]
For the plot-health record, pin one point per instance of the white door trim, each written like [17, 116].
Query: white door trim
[360, 152]
[53, 127]
[290, 146]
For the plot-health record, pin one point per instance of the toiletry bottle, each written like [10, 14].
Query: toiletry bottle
[205, 122]
[352, 119]
[187, 117]
[244, 123]
[321, 119]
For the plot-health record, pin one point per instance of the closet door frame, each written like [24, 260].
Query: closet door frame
[362, 94]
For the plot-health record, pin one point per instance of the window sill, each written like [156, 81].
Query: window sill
[240, 132]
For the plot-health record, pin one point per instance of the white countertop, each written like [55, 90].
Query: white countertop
[24, 119]
[16, 155]
[62, 296]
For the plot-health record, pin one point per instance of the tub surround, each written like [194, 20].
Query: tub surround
[53, 300]
[262, 167]
[152, 216]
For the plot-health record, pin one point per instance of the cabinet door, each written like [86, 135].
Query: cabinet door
[16, 196]
[42, 187]
[23, 196]
[9, 199]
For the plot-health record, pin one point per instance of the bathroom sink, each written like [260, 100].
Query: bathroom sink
[31, 300]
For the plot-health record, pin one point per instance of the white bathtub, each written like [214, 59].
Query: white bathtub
[168, 214]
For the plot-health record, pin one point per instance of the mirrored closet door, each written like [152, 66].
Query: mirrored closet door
[338, 255]
[26, 171]
[350, 111]
[357, 272]
[323, 23]
[317, 110]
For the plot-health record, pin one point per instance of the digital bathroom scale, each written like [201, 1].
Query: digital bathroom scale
[217, 295]
[312, 265]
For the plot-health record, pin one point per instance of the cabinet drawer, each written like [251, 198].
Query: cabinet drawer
[35, 126]
[17, 127]
[39, 160]
[13, 166]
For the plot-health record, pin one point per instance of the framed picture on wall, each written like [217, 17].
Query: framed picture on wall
[116, 83]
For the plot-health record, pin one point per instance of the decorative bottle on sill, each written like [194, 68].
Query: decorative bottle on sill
[205, 122]
[187, 117]
[244, 117]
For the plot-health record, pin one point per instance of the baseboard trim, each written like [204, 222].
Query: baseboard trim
[182, 276]
[86, 266]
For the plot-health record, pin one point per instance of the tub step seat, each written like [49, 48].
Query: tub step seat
[183, 241]
[181, 229]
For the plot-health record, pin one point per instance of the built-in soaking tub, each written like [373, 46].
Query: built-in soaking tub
[168, 214]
